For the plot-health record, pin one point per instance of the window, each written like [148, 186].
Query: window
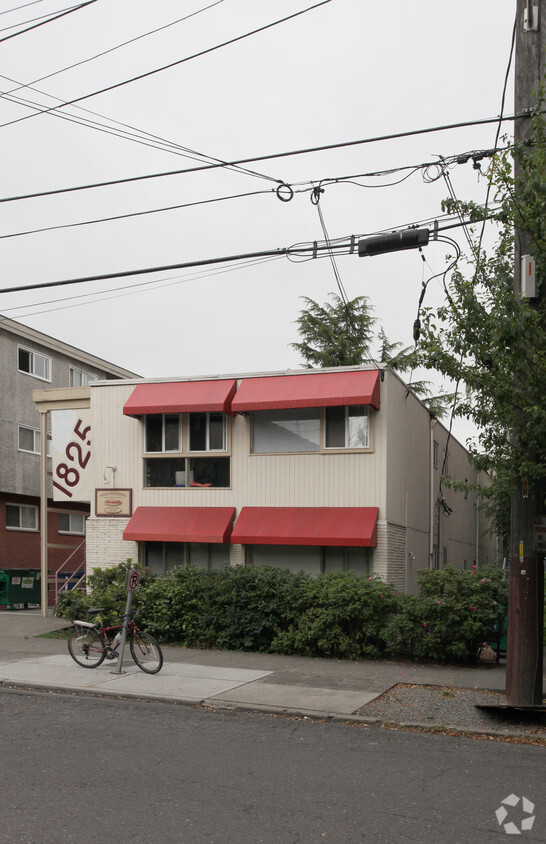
[287, 431]
[72, 523]
[207, 432]
[30, 440]
[347, 427]
[187, 471]
[21, 517]
[299, 430]
[163, 432]
[187, 434]
[79, 378]
[311, 559]
[33, 363]
[435, 451]
[162, 556]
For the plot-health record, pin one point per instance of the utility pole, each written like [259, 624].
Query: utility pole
[524, 657]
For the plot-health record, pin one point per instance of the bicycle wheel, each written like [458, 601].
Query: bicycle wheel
[146, 652]
[87, 647]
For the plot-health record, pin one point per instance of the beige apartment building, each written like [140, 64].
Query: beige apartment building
[314, 470]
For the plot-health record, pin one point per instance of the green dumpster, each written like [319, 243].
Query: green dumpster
[20, 587]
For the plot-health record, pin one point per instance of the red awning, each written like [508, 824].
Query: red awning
[181, 397]
[306, 526]
[324, 389]
[181, 524]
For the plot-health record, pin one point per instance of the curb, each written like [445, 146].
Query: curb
[311, 714]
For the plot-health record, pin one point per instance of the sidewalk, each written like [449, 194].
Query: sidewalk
[429, 696]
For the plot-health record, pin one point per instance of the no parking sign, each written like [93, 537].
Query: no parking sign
[132, 581]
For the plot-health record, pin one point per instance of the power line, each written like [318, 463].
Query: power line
[270, 156]
[194, 56]
[55, 17]
[136, 214]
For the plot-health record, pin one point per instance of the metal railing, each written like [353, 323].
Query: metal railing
[75, 578]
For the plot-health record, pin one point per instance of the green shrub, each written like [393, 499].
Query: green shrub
[451, 616]
[337, 614]
[346, 617]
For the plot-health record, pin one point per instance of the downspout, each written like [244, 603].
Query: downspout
[43, 514]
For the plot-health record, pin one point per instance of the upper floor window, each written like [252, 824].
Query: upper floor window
[163, 432]
[287, 431]
[21, 517]
[30, 440]
[207, 432]
[193, 441]
[291, 430]
[435, 452]
[33, 363]
[79, 378]
[72, 523]
[347, 427]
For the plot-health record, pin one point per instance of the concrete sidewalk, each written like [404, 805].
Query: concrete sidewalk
[320, 688]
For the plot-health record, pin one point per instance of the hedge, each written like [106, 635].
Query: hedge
[337, 614]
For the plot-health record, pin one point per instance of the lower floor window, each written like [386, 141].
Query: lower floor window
[159, 557]
[22, 517]
[187, 471]
[310, 558]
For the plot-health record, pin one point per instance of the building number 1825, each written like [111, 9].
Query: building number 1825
[79, 457]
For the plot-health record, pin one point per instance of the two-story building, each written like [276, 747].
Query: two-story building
[29, 360]
[335, 469]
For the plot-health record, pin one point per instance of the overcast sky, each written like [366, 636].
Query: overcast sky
[346, 71]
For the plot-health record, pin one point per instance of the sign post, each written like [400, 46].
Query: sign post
[132, 582]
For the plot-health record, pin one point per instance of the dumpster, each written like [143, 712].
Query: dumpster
[20, 587]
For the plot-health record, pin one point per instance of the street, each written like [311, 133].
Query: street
[94, 769]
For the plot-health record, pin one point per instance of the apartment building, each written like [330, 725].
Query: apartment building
[322, 470]
[31, 360]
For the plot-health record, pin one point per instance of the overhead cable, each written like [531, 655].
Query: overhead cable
[269, 156]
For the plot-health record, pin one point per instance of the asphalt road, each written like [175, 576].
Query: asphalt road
[76, 768]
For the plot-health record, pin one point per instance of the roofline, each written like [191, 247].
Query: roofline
[51, 343]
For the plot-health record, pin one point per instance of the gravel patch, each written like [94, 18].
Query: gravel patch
[452, 708]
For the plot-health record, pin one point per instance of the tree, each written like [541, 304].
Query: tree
[404, 360]
[335, 334]
[492, 343]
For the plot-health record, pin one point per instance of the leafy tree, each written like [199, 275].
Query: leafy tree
[338, 333]
[491, 342]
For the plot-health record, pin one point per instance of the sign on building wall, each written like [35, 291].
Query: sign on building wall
[71, 453]
[113, 502]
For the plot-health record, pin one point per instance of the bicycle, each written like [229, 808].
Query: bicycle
[90, 644]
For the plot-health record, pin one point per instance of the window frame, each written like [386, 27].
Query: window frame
[89, 377]
[348, 447]
[37, 440]
[32, 371]
[20, 507]
[207, 414]
[71, 531]
[322, 449]
[183, 453]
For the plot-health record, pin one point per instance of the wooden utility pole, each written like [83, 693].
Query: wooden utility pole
[524, 657]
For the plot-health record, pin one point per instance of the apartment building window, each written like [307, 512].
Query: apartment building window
[286, 431]
[304, 429]
[22, 517]
[159, 557]
[72, 523]
[207, 432]
[33, 363]
[435, 452]
[185, 435]
[30, 439]
[347, 427]
[79, 378]
[163, 432]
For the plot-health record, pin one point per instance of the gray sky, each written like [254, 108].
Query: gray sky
[346, 71]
